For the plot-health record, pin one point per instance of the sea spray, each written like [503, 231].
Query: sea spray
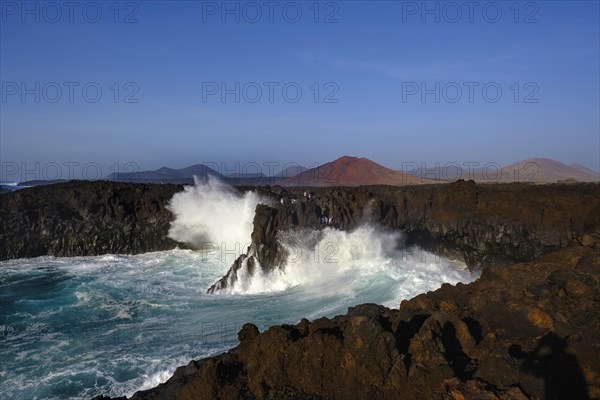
[213, 216]
[341, 263]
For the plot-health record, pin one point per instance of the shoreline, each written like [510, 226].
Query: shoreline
[509, 335]
[538, 247]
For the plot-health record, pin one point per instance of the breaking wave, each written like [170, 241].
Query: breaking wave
[212, 213]
[350, 264]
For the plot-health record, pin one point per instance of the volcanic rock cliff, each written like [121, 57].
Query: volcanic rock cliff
[85, 218]
[482, 224]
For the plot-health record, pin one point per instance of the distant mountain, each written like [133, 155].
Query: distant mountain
[546, 170]
[166, 175]
[246, 175]
[585, 170]
[354, 171]
[530, 170]
[291, 171]
[351, 171]
[439, 172]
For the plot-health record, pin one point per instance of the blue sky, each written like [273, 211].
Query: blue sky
[390, 81]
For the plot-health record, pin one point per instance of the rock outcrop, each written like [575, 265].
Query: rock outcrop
[264, 250]
[526, 331]
[483, 224]
[85, 218]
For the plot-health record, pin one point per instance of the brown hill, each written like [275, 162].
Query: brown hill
[352, 171]
[585, 170]
[541, 170]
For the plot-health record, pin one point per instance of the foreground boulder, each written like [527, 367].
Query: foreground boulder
[526, 331]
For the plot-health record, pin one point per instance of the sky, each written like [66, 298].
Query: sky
[90, 88]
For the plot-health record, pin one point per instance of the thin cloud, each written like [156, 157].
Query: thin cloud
[436, 70]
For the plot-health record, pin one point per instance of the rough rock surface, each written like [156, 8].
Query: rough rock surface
[526, 331]
[85, 218]
[483, 224]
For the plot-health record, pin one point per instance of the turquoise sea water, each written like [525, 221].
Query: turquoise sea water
[73, 328]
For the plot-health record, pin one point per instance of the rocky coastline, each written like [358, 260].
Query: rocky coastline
[481, 224]
[81, 218]
[528, 328]
[526, 331]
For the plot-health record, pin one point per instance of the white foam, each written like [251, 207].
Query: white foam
[213, 216]
[123, 314]
[155, 379]
[82, 297]
[332, 262]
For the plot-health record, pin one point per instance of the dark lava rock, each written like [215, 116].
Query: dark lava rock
[485, 340]
[81, 218]
[482, 224]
